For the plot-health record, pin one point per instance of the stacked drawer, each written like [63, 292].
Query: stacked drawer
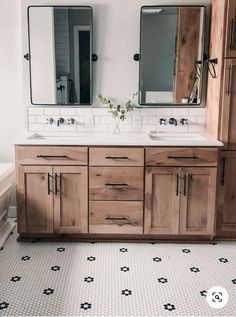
[116, 180]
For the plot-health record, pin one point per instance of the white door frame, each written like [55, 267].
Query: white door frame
[76, 30]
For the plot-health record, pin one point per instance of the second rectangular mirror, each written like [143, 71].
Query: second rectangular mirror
[60, 43]
[171, 55]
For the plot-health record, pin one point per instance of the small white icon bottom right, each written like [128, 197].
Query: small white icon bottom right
[217, 297]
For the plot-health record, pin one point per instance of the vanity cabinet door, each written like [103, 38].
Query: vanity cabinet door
[228, 117]
[34, 199]
[197, 200]
[161, 201]
[226, 208]
[70, 199]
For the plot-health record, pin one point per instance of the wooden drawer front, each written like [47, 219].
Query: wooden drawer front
[116, 183]
[116, 217]
[181, 156]
[116, 156]
[51, 155]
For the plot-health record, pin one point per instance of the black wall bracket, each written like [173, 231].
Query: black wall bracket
[94, 57]
[136, 57]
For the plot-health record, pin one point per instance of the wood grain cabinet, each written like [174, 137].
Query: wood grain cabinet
[180, 200]
[230, 45]
[226, 216]
[52, 198]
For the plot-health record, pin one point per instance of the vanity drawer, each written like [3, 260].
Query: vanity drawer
[116, 217]
[181, 156]
[116, 183]
[51, 155]
[116, 156]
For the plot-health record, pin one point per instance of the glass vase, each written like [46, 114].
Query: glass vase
[116, 129]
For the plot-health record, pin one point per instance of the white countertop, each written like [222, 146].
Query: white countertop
[122, 139]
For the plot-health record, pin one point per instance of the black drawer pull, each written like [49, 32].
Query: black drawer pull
[117, 185]
[183, 157]
[53, 156]
[117, 218]
[116, 158]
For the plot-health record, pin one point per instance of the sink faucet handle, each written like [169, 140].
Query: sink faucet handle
[49, 121]
[162, 121]
[60, 121]
[184, 121]
[70, 121]
[173, 121]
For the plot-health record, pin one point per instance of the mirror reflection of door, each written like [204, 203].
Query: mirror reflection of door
[171, 50]
[82, 64]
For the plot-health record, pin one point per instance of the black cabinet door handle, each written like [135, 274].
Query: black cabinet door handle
[49, 186]
[56, 183]
[183, 157]
[177, 185]
[53, 156]
[185, 184]
[116, 158]
[222, 181]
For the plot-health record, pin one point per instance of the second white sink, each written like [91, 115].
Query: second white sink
[176, 136]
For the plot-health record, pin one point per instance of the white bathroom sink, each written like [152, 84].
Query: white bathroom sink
[176, 136]
[67, 138]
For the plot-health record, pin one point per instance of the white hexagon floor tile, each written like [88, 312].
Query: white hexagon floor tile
[114, 279]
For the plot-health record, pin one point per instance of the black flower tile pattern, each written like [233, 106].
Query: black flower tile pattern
[4, 305]
[67, 283]
[61, 249]
[124, 269]
[203, 293]
[156, 259]
[15, 279]
[194, 269]
[169, 307]
[88, 279]
[162, 280]
[223, 260]
[55, 268]
[48, 291]
[85, 306]
[123, 250]
[25, 258]
[186, 251]
[126, 292]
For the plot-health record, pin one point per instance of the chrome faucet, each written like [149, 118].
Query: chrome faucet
[60, 121]
[173, 121]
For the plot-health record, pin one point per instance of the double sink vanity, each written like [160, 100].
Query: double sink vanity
[136, 186]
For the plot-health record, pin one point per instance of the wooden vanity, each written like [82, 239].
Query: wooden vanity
[98, 192]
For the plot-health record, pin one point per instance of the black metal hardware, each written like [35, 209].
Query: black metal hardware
[118, 185]
[185, 184]
[136, 57]
[173, 121]
[49, 188]
[56, 187]
[94, 57]
[183, 157]
[177, 185]
[222, 181]
[61, 87]
[183, 121]
[231, 42]
[116, 218]
[228, 92]
[116, 158]
[60, 121]
[27, 56]
[53, 156]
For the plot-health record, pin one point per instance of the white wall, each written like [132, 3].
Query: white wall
[12, 112]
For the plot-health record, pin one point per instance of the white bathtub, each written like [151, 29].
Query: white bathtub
[7, 172]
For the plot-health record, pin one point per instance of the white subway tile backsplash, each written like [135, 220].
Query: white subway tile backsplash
[139, 120]
[35, 111]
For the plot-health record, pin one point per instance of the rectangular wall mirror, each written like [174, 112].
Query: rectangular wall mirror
[60, 54]
[171, 55]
